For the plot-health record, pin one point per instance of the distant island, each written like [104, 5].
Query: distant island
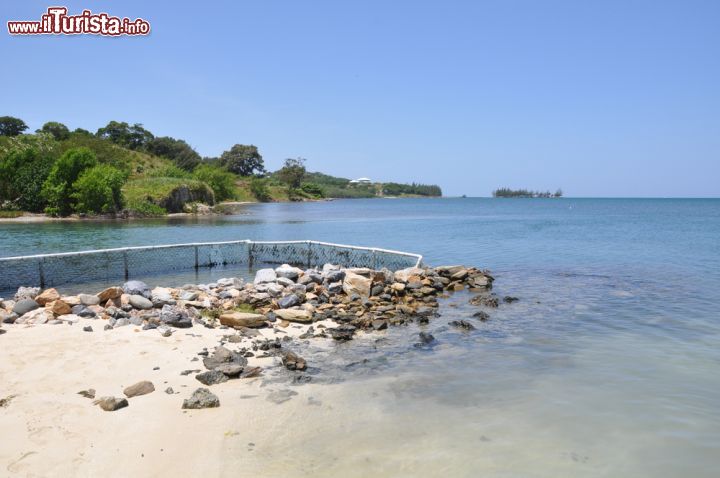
[125, 170]
[524, 193]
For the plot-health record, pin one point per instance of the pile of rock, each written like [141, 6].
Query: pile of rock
[354, 298]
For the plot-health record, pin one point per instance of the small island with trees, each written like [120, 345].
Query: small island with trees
[124, 170]
[525, 193]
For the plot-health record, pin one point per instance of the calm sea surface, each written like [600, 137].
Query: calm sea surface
[609, 365]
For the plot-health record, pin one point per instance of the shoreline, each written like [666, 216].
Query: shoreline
[70, 363]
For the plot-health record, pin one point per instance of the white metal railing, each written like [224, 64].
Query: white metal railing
[124, 263]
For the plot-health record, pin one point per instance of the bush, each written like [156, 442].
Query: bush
[58, 188]
[146, 209]
[259, 189]
[170, 171]
[58, 130]
[313, 190]
[99, 190]
[220, 181]
[22, 175]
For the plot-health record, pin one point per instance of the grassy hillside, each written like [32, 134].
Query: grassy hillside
[124, 169]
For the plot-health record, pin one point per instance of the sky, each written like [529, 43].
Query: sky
[599, 98]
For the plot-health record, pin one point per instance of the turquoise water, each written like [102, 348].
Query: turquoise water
[609, 365]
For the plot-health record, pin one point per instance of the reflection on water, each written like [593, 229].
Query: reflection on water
[607, 366]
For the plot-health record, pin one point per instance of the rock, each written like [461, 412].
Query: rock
[37, 316]
[175, 317]
[242, 319]
[110, 404]
[87, 299]
[83, 311]
[284, 282]
[140, 388]
[288, 301]
[335, 288]
[288, 272]
[275, 290]
[334, 276]
[211, 377]
[136, 287]
[343, 333]
[462, 324]
[294, 315]
[140, 302]
[486, 300]
[8, 318]
[280, 396]
[481, 315]
[23, 306]
[161, 296]
[122, 322]
[135, 320]
[404, 275]
[426, 338]
[292, 361]
[229, 369]
[230, 282]
[111, 293]
[169, 391]
[165, 331]
[480, 281]
[201, 398]
[59, 307]
[264, 276]
[461, 274]
[379, 324]
[89, 393]
[189, 296]
[356, 284]
[24, 293]
[87, 329]
[310, 277]
[508, 299]
[47, 296]
[251, 372]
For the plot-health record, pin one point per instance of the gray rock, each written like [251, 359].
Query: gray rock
[462, 324]
[230, 282]
[23, 306]
[201, 398]
[344, 332]
[88, 299]
[162, 298]
[211, 377]
[140, 302]
[274, 290]
[8, 318]
[288, 301]
[288, 272]
[189, 296]
[138, 389]
[310, 276]
[136, 287]
[175, 317]
[334, 276]
[110, 404]
[335, 288]
[87, 328]
[27, 293]
[265, 275]
[83, 311]
[229, 369]
[136, 321]
[121, 322]
[285, 282]
[169, 391]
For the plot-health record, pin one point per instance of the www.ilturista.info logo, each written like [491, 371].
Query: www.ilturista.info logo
[57, 22]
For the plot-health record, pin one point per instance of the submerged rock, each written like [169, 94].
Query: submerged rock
[462, 324]
[292, 361]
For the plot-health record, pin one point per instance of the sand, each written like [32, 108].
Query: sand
[50, 430]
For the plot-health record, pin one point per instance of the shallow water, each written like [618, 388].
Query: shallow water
[607, 366]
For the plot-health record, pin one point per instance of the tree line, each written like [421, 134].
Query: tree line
[525, 193]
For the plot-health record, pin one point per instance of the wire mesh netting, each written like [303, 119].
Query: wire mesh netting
[126, 263]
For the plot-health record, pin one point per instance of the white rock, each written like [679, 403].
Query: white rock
[403, 274]
[289, 272]
[265, 275]
[70, 318]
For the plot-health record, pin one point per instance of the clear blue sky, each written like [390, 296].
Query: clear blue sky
[601, 98]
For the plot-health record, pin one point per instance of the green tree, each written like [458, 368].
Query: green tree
[242, 159]
[176, 150]
[11, 126]
[59, 131]
[99, 190]
[133, 137]
[22, 175]
[292, 173]
[221, 181]
[58, 187]
[81, 132]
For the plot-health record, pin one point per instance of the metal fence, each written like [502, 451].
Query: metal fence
[129, 262]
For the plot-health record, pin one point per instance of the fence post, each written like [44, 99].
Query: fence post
[374, 259]
[197, 263]
[42, 273]
[309, 255]
[250, 255]
[125, 262]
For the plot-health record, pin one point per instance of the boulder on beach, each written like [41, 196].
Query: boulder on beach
[294, 315]
[26, 293]
[110, 404]
[201, 398]
[136, 287]
[288, 272]
[242, 319]
[138, 389]
[140, 302]
[47, 296]
[23, 306]
[264, 276]
[356, 284]
[110, 293]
